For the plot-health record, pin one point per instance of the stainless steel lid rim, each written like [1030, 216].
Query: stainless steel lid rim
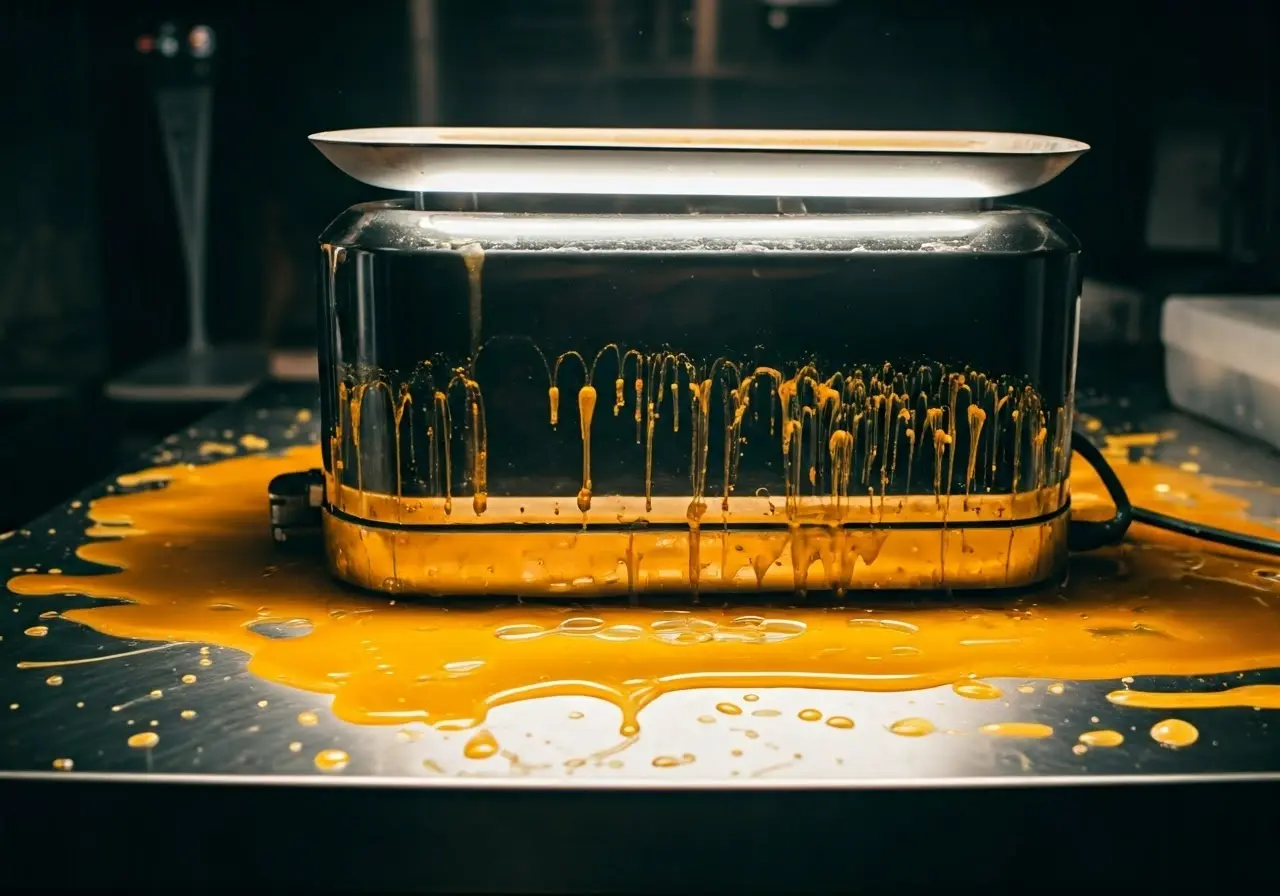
[863, 164]
[754, 139]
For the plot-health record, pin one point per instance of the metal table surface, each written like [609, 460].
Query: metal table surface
[760, 798]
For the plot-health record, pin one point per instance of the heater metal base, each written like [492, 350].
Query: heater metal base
[580, 563]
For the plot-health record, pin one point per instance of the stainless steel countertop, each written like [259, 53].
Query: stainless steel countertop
[245, 726]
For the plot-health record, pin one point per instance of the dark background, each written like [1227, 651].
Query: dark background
[91, 273]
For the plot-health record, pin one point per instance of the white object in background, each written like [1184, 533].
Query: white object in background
[1185, 210]
[1222, 361]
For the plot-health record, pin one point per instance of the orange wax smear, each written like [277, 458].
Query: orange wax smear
[190, 557]
[1263, 696]
[1017, 729]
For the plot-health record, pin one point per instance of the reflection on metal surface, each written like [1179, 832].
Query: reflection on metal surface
[194, 566]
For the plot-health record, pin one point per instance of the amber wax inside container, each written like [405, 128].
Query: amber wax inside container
[532, 398]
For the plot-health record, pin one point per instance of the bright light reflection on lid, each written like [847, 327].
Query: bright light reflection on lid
[571, 180]
[703, 228]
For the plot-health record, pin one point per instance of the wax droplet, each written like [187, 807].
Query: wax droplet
[188, 714]
[1079, 749]
[750, 698]
[707, 720]
[295, 747]
[1102, 738]
[308, 718]
[332, 760]
[672, 761]
[63, 765]
[262, 704]
[840, 722]
[1026, 689]
[575, 715]
[481, 746]
[1057, 688]
[144, 740]
[913, 727]
[188, 679]
[977, 690]
[37, 631]
[729, 709]
[53, 680]
[1174, 733]
[810, 715]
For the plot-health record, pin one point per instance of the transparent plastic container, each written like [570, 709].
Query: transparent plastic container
[565, 398]
[1222, 361]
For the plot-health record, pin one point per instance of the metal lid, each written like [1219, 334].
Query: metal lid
[600, 161]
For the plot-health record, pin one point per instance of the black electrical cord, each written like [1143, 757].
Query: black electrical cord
[1087, 535]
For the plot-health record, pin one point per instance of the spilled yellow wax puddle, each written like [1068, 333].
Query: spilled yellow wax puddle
[192, 559]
